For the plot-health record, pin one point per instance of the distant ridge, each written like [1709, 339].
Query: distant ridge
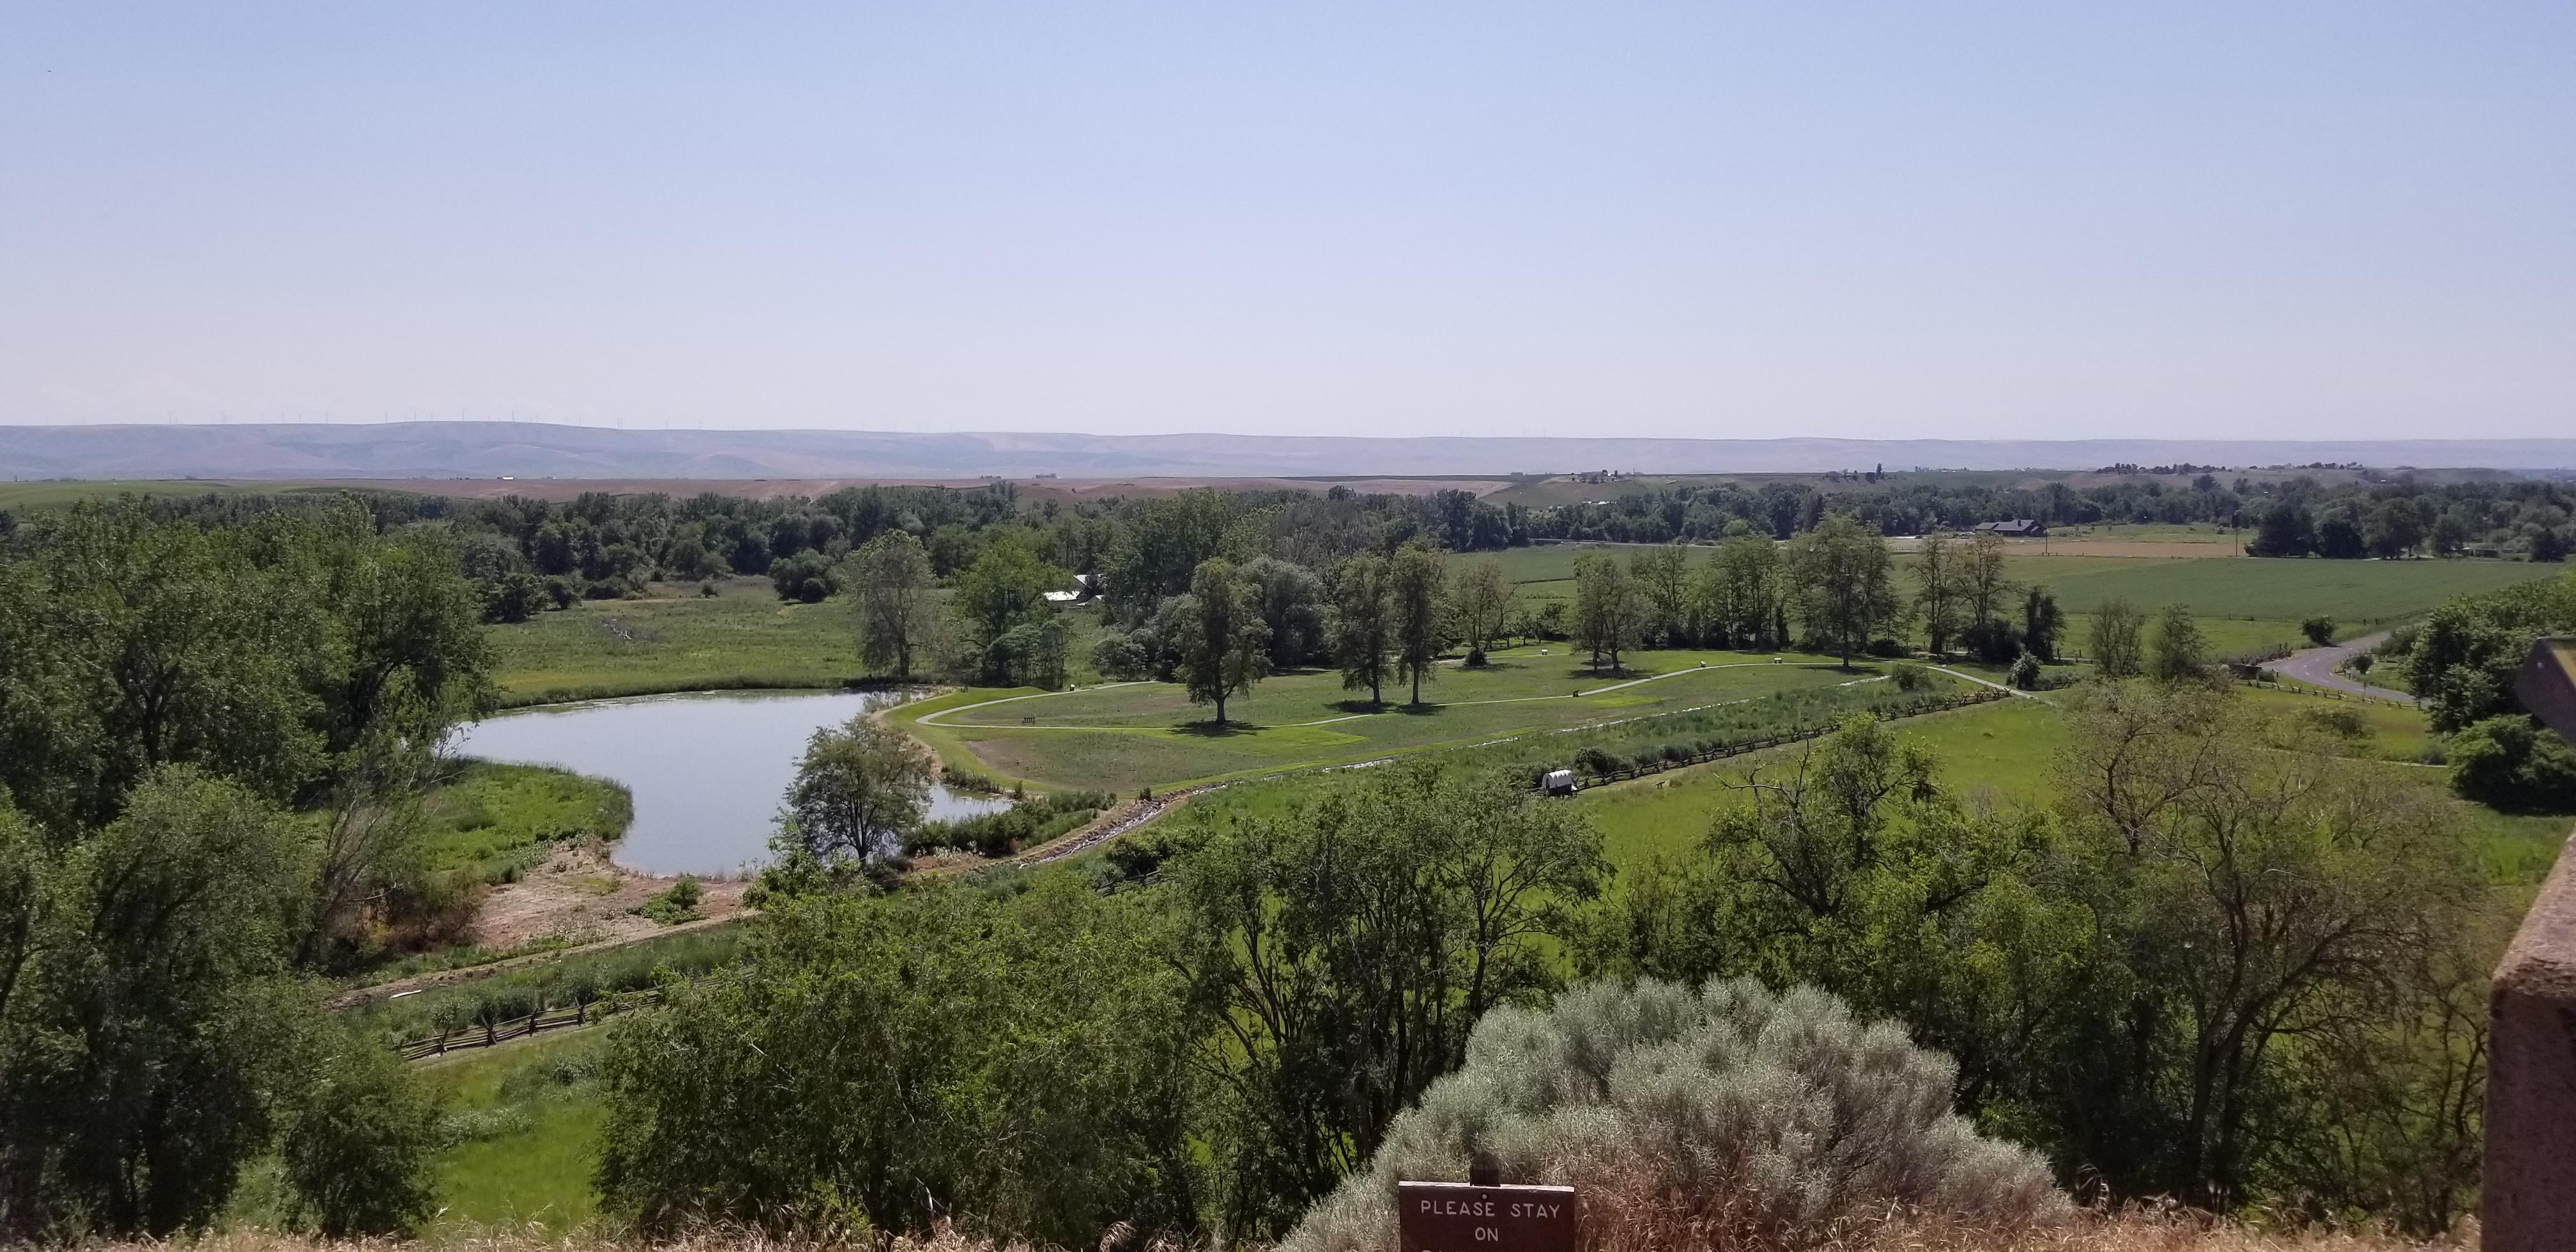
[414, 450]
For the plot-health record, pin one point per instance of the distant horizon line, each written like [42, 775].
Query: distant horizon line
[221, 423]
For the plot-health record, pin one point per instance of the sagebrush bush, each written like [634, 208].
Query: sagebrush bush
[1740, 1117]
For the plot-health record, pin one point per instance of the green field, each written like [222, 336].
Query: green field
[2288, 589]
[1133, 735]
[489, 819]
[679, 640]
[2003, 754]
[523, 1121]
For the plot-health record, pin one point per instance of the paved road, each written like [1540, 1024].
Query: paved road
[2316, 667]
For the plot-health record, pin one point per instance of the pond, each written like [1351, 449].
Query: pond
[707, 769]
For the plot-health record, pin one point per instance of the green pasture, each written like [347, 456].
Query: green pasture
[1128, 736]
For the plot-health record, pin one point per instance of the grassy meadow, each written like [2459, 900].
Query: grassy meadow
[523, 1123]
[1131, 735]
[489, 819]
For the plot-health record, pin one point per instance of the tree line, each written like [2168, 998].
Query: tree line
[2533, 519]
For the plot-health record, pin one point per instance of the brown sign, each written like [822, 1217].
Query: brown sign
[1459, 1217]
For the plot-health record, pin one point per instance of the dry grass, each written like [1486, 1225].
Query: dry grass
[2134, 1231]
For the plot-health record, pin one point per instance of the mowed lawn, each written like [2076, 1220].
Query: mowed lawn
[1147, 734]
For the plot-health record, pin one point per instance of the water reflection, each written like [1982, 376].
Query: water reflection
[707, 769]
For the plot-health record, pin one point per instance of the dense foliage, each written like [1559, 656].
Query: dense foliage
[173, 688]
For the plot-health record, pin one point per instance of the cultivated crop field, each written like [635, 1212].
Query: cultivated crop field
[1130, 735]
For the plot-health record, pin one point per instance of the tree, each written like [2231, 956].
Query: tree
[897, 616]
[2319, 629]
[149, 1022]
[1936, 587]
[2118, 651]
[1982, 585]
[2395, 528]
[859, 787]
[1005, 586]
[1479, 603]
[1219, 645]
[2180, 654]
[360, 1138]
[895, 1060]
[1363, 624]
[260, 652]
[1742, 591]
[1292, 606]
[1845, 590]
[1350, 946]
[2040, 623]
[2282, 531]
[1606, 608]
[1662, 578]
[2254, 893]
[1418, 584]
[1851, 869]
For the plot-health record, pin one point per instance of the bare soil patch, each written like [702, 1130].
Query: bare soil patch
[582, 896]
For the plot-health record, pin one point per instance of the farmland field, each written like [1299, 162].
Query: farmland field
[2187, 569]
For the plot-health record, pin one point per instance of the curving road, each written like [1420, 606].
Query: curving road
[2317, 668]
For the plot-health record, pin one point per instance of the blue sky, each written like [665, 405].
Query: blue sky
[2275, 220]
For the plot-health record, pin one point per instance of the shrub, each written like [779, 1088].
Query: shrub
[1749, 1118]
[2319, 630]
[2025, 672]
[2514, 764]
[1909, 677]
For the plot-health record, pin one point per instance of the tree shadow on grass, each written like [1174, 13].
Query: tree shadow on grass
[1213, 729]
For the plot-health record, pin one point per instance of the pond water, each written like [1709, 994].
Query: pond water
[707, 769]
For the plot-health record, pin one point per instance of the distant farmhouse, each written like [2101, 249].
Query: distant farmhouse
[2018, 528]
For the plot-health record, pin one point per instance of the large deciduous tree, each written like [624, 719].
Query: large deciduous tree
[1846, 591]
[1219, 643]
[897, 618]
[858, 788]
[1363, 624]
[1480, 602]
[1607, 610]
[1662, 578]
[1936, 591]
[1351, 944]
[1418, 586]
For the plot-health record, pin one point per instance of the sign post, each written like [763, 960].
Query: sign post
[1464, 1217]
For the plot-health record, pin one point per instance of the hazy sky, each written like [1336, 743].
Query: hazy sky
[1789, 218]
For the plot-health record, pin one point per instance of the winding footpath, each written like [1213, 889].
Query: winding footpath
[2318, 667]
